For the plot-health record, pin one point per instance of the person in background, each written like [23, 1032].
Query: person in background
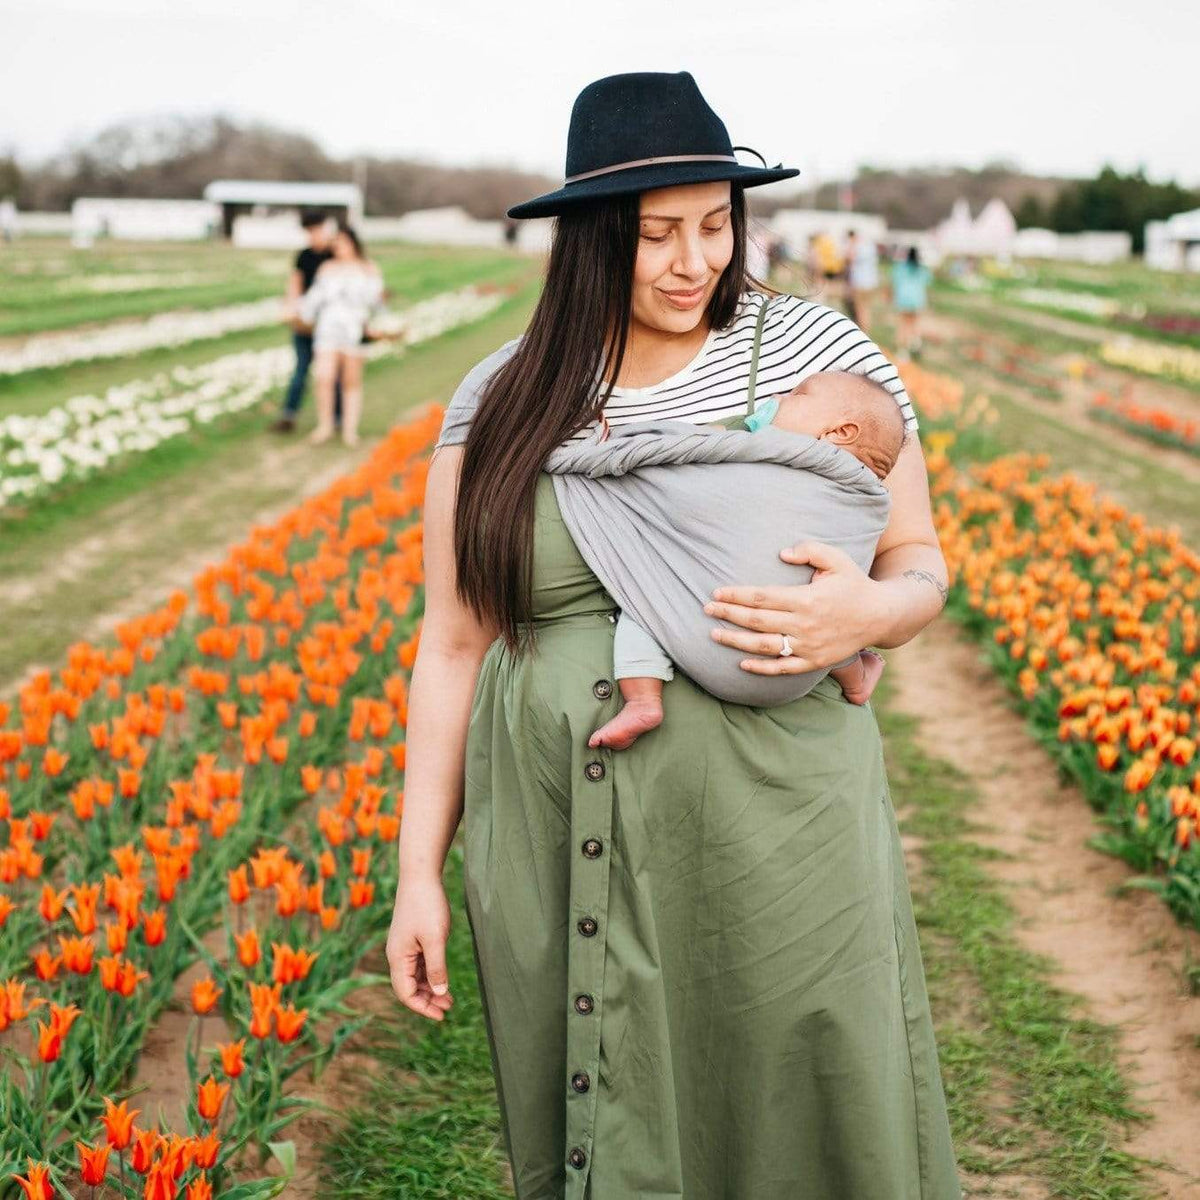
[825, 266]
[910, 279]
[862, 277]
[347, 292]
[304, 271]
[8, 219]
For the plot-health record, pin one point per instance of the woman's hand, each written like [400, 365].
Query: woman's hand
[826, 621]
[416, 948]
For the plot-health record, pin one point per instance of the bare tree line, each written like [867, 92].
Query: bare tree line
[174, 157]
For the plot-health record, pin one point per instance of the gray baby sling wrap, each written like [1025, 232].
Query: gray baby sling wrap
[665, 511]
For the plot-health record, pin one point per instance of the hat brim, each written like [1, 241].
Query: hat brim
[643, 179]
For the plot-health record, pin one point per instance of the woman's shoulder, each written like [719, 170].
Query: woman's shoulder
[464, 402]
[785, 309]
[482, 371]
[791, 323]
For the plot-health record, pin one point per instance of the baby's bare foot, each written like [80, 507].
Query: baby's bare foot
[635, 718]
[868, 671]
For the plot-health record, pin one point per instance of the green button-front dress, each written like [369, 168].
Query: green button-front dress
[698, 959]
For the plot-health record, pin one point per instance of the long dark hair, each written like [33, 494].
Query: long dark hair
[359, 249]
[549, 388]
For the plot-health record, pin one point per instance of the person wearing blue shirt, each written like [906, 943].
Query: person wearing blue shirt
[910, 281]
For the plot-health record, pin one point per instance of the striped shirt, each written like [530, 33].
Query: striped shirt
[800, 338]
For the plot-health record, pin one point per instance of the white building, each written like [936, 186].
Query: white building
[1174, 244]
[143, 220]
[1098, 247]
[266, 213]
[452, 225]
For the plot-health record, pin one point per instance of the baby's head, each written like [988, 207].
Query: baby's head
[851, 411]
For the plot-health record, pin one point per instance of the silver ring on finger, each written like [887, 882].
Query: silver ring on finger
[785, 650]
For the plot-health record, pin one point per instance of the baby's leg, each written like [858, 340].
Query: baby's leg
[639, 666]
[859, 676]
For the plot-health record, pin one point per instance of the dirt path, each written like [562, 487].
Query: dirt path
[1123, 954]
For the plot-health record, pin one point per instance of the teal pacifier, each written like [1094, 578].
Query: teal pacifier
[764, 414]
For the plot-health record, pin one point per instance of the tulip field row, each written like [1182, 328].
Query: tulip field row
[88, 433]
[220, 791]
[1092, 616]
[1153, 424]
[121, 339]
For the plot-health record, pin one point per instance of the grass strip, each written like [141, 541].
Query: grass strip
[429, 1125]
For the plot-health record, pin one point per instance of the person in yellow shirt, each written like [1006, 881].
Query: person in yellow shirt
[826, 264]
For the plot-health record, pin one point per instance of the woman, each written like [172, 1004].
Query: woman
[862, 277]
[697, 956]
[347, 290]
[910, 279]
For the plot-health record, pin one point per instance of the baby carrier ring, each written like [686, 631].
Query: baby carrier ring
[786, 648]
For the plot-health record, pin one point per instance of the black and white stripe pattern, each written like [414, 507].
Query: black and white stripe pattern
[800, 338]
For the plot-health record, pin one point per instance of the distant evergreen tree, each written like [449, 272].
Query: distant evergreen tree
[1030, 213]
[1116, 201]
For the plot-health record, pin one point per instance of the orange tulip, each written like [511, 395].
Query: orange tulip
[154, 927]
[52, 903]
[204, 996]
[118, 1123]
[53, 762]
[205, 1150]
[93, 1162]
[232, 1062]
[145, 1146]
[209, 1098]
[50, 1037]
[160, 1182]
[199, 1189]
[36, 1185]
[289, 1022]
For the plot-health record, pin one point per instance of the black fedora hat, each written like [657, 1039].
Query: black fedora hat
[642, 130]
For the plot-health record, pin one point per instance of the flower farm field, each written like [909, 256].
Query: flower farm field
[205, 658]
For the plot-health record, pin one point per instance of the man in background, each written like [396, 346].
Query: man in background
[317, 229]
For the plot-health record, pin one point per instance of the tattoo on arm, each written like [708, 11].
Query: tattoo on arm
[925, 576]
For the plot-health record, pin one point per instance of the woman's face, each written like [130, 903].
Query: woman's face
[685, 243]
[343, 247]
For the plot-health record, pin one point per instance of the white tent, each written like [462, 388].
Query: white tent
[1174, 244]
[991, 234]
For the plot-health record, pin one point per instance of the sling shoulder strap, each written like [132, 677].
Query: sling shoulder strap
[758, 332]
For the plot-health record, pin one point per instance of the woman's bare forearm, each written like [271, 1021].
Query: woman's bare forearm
[439, 709]
[914, 578]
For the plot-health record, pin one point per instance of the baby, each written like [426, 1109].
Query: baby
[850, 411]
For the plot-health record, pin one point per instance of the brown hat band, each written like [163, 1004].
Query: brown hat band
[647, 162]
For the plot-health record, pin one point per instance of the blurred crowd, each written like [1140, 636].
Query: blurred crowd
[857, 275]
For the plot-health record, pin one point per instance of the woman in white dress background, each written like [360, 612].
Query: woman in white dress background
[347, 291]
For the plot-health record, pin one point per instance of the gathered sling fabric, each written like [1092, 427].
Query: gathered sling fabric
[665, 511]
[697, 956]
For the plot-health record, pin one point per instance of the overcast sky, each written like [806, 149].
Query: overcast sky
[1059, 86]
